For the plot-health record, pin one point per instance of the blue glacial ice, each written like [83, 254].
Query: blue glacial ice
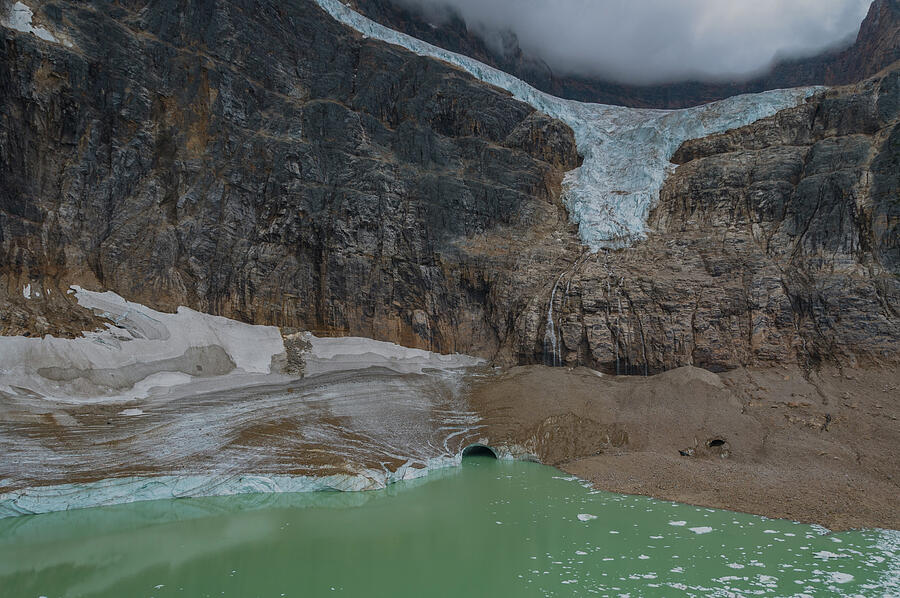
[626, 150]
[113, 491]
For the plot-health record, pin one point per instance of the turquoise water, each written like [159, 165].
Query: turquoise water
[487, 528]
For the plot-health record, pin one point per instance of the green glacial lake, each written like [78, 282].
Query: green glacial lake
[487, 528]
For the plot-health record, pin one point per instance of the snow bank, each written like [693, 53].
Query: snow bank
[626, 150]
[187, 385]
[144, 353]
[351, 353]
[142, 350]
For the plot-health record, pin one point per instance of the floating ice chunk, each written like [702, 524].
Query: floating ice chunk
[827, 555]
[626, 150]
[586, 517]
[838, 577]
[570, 478]
[701, 530]
[678, 523]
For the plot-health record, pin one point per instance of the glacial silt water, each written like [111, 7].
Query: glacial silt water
[488, 528]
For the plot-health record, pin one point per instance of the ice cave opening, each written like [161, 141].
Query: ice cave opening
[479, 450]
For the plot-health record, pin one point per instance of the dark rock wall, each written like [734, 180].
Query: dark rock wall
[259, 161]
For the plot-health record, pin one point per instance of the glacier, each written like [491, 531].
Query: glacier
[165, 405]
[354, 353]
[146, 354]
[626, 151]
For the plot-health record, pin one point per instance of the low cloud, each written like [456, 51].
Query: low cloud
[654, 41]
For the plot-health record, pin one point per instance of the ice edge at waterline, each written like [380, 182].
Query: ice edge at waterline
[113, 491]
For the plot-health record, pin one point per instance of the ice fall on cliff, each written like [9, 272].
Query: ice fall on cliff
[626, 150]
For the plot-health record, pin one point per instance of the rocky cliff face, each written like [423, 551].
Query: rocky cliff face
[268, 164]
[262, 163]
[876, 47]
[776, 242]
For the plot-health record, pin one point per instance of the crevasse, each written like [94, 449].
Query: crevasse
[626, 150]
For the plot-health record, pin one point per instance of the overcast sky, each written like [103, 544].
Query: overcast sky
[651, 41]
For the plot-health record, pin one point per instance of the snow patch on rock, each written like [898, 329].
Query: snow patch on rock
[20, 18]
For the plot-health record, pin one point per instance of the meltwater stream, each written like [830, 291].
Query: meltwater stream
[488, 528]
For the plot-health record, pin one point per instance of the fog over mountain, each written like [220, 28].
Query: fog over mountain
[657, 41]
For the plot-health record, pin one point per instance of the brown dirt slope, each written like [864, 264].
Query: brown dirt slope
[819, 448]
